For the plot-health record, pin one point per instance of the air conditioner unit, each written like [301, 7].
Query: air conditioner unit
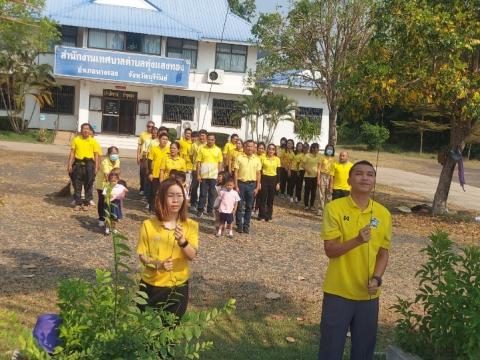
[215, 76]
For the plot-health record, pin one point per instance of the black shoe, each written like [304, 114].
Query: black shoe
[267, 220]
[246, 230]
[239, 230]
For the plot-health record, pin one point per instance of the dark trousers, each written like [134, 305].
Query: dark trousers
[83, 174]
[310, 191]
[143, 173]
[283, 180]
[340, 314]
[171, 299]
[194, 190]
[337, 194]
[207, 189]
[267, 196]
[155, 183]
[291, 183]
[244, 210]
[101, 205]
[299, 184]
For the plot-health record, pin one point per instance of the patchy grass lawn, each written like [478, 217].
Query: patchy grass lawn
[29, 136]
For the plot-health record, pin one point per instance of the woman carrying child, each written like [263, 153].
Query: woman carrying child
[117, 191]
[112, 161]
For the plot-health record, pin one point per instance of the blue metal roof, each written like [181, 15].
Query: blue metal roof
[188, 19]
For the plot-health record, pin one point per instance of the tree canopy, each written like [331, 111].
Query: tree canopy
[245, 9]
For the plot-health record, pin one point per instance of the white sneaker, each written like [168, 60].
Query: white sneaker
[92, 203]
[307, 208]
[101, 223]
[219, 233]
[291, 199]
[147, 206]
[107, 231]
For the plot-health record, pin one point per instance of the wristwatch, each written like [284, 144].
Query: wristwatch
[184, 244]
[379, 280]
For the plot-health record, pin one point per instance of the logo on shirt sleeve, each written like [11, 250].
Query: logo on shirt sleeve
[346, 218]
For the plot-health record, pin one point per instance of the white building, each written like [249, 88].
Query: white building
[124, 62]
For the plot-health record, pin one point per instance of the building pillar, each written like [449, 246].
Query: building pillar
[157, 106]
[83, 103]
[205, 113]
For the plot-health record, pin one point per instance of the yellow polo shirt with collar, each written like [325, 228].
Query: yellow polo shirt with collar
[168, 164]
[327, 165]
[310, 165]
[297, 162]
[286, 158]
[185, 150]
[157, 242]
[209, 158]
[85, 148]
[270, 165]
[194, 152]
[143, 137]
[340, 175]
[157, 154]
[229, 146]
[106, 166]
[247, 167]
[348, 274]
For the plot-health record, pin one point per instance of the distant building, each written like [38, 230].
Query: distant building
[124, 62]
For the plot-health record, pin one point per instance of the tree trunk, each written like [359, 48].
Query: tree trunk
[421, 142]
[332, 126]
[443, 187]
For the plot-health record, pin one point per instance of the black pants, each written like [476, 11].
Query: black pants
[267, 196]
[340, 314]
[207, 190]
[299, 185]
[101, 205]
[310, 191]
[153, 193]
[171, 299]
[292, 183]
[83, 174]
[283, 180]
[337, 194]
[143, 173]
[194, 190]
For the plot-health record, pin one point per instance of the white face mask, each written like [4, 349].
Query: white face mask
[329, 152]
[114, 157]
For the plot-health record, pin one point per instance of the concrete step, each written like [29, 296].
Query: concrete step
[121, 141]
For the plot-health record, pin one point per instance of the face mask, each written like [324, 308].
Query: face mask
[329, 152]
[114, 157]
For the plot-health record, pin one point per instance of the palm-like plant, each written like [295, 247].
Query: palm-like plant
[278, 108]
[251, 107]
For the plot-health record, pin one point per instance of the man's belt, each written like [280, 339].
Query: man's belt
[247, 182]
[83, 161]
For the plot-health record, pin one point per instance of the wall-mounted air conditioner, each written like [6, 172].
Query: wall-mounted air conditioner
[215, 76]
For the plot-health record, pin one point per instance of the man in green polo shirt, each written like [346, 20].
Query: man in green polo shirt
[357, 232]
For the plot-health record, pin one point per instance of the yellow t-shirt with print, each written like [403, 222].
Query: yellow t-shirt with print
[310, 165]
[157, 154]
[185, 150]
[286, 158]
[340, 175]
[297, 162]
[347, 275]
[85, 148]
[106, 166]
[157, 242]
[270, 165]
[209, 158]
[168, 164]
[327, 165]
[247, 167]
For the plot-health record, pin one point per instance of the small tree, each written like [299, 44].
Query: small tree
[421, 126]
[374, 135]
[278, 107]
[245, 9]
[252, 107]
[306, 129]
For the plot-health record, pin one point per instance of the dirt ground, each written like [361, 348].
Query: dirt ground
[43, 240]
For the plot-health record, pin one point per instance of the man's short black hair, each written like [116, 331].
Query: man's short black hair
[203, 131]
[211, 134]
[187, 129]
[194, 133]
[362, 162]
[163, 128]
[233, 135]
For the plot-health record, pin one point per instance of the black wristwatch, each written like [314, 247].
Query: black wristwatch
[379, 280]
[184, 244]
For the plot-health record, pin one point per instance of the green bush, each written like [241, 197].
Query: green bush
[101, 320]
[172, 134]
[5, 124]
[448, 324]
[374, 135]
[221, 138]
[349, 133]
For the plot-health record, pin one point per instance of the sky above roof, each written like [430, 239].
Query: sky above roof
[271, 5]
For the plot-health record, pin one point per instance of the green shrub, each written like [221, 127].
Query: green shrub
[448, 324]
[221, 138]
[172, 134]
[101, 320]
[5, 124]
[374, 135]
[349, 133]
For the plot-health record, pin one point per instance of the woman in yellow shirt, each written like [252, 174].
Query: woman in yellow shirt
[286, 157]
[270, 183]
[172, 162]
[232, 155]
[111, 162]
[167, 243]
[295, 173]
[326, 170]
[310, 165]
[261, 155]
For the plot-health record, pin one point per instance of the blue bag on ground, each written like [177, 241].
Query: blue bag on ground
[46, 331]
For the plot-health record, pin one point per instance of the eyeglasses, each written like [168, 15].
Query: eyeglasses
[149, 126]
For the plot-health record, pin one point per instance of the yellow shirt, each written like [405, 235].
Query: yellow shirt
[159, 243]
[297, 162]
[326, 165]
[147, 145]
[232, 156]
[347, 275]
[340, 175]
[144, 135]
[168, 164]
[106, 166]
[247, 167]
[286, 158]
[270, 165]
[229, 146]
[157, 154]
[185, 149]
[85, 148]
[209, 158]
[310, 165]
[194, 151]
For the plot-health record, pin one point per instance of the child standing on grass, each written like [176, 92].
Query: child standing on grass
[117, 195]
[219, 186]
[227, 205]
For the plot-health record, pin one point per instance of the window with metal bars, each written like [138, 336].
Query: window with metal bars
[312, 114]
[177, 108]
[223, 113]
[183, 49]
[63, 101]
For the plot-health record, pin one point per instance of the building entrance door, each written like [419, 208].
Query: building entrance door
[119, 110]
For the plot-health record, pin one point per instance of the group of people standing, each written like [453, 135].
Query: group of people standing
[229, 185]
